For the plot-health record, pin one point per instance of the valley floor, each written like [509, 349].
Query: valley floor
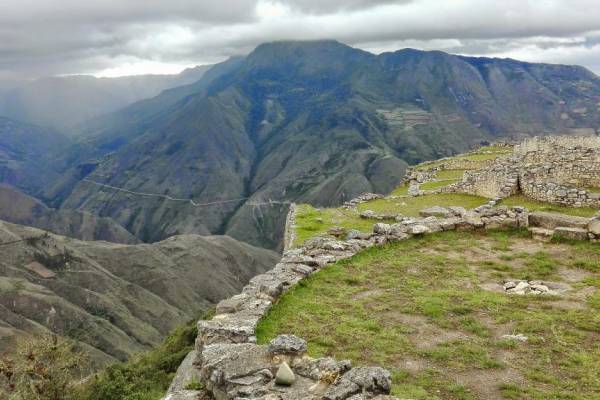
[433, 310]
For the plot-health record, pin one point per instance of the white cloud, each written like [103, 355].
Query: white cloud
[134, 36]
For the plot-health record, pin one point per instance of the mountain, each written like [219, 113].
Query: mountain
[19, 208]
[116, 299]
[316, 122]
[29, 155]
[61, 102]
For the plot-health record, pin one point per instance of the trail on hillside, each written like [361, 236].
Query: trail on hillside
[190, 201]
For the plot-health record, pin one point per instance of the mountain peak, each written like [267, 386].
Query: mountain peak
[305, 52]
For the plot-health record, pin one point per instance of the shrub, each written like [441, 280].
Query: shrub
[42, 368]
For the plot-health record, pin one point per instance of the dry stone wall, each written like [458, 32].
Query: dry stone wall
[558, 170]
[231, 365]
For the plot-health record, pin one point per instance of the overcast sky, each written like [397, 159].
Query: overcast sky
[124, 37]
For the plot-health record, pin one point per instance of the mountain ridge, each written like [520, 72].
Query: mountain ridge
[116, 299]
[317, 122]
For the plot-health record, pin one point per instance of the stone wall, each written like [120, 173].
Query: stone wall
[553, 169]
[289, 234]
[231, 365]
[548, 144]
[500, 179]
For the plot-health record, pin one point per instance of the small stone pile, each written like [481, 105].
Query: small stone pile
[528, 287]
[370, 214]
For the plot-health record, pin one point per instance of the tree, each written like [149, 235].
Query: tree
[42, 368]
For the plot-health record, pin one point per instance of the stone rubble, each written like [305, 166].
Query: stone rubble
[523, 287]
[232, 365]
[362, 198]
[519, 337]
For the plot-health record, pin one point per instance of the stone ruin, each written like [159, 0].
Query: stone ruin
[229, 363]
[554, 169]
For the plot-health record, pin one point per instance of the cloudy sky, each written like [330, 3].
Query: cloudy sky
[124, 37]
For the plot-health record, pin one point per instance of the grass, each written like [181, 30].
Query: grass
[482, 154]
[400, 191]
[411, 206]
[450, 174]
[312, 222]
[416, 308]
[534, 205]
[437, 184]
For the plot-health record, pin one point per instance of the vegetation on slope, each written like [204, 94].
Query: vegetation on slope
[317, 122]
[116, 299]
[432, 310]
[146, 376]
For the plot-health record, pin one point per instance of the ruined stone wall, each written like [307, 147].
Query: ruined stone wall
[499, 180]
[561, 170]
[556, 169]
[231, 365]
[548, 144]
[289, 234]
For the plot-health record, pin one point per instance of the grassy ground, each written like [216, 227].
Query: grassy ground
[482, 154]
[450, 174]
[410, 206]
[312, 222]
[401, 191]
[534, 205]
[420, 309]
[437, 184]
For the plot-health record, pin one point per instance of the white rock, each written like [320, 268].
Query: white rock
[285, 376]
[519, 337]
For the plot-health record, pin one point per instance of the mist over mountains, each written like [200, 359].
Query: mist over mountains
[61, 102]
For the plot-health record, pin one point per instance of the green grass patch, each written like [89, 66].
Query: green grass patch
[450, 174]
[437, 184]
[311, 222]
[401, 191]
[146, 376]
[420, 301]
[534, 205]
[411, 206]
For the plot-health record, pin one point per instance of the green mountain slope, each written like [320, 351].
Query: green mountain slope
[316, 122]
[117, 299]
[29, 155]
[18, 208]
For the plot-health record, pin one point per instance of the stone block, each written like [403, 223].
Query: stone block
[551, 220]
[571, 233]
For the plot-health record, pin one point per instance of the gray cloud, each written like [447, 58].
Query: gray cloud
[40, 37]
